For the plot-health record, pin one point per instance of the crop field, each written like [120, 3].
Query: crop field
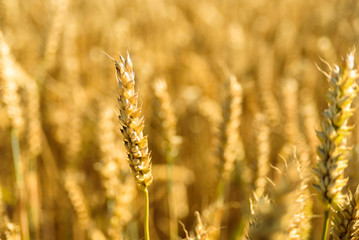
[179, 119]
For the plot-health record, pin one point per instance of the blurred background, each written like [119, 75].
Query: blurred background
[63, 167]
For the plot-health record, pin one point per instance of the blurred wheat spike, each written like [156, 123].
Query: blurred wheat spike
[332, 150]
[261, 210]
[345, 224]
[200, 231]
[132, 124]
[229, 128]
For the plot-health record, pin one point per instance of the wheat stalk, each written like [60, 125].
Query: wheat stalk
[132, 130]
[229, 128]
[171, 141]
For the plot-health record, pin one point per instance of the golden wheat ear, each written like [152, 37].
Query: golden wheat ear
[132, 124]
[228, 136]
[332, 151]
[345, 223]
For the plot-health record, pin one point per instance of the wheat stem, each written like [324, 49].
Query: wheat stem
[147, 215]
[326, 221]
[171, 202]
[170, 141]
[24, 222]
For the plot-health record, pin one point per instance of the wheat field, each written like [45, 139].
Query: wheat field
[193, 120]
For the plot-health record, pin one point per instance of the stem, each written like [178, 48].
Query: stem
[19, 171]
[147, 215]
[171, 202]
[326, 221]
[220, 190]
[218, 216]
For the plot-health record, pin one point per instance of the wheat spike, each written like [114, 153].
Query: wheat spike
[77, 198]
[345, 223]
[332, 151]
[132, 124]
[167, 118]
[270, 216]
[54, 34]
[265, 80]
[200, 232]
[260, 209]
[12, 77]
[263, 154]
[310, 119]
[229, 128]
[300, 223]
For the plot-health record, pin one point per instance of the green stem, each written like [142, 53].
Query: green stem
[220, 190]
[326, 221]
[19, 171]
[147, 215]
[171, 202]
[16, 158]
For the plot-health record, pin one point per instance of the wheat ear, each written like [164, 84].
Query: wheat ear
[132, 130]
[77, 198]
[171, 142]
[229, 128]
[200, 232]
[270, 216]
[228, 146]
[300, 223]
[132, 125]
[80, 205]
[332, 151]
[345, 223]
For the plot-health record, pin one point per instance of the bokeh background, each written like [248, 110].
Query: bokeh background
[63, 169]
